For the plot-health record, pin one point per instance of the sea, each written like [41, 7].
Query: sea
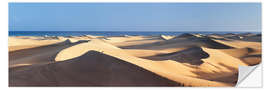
[107, 33]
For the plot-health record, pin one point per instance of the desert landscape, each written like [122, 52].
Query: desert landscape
[190, 60]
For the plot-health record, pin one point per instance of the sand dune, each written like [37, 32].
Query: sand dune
[240, 44]
[132, 40]
[248, 55]
[179, 42]
[42, 54]
[243, 37]
[185, 35]
[144, 63]
[90, 36]
[18, 43]
[91, 69]
[184, 60]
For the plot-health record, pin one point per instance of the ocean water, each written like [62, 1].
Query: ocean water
[104, 33]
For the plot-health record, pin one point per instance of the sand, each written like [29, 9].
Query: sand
[183, 60]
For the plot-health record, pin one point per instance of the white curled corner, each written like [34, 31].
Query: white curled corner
[249, 76]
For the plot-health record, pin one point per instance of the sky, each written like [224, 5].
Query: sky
[239, 17]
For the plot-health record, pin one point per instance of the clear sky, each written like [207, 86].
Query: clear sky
[135, 17]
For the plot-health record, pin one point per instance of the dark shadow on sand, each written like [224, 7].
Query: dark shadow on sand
[192, 56]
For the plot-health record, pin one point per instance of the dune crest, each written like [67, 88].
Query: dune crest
[166, 37]
[78, 50]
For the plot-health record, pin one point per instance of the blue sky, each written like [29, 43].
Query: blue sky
[135, 17]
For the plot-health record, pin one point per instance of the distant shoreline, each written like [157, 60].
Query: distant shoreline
[111, 33]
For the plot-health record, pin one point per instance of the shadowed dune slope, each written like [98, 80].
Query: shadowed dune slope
[247, 37]
[177, 42]
[250, 56]
[241, 37]
[42, 54]
[240, 44]
[91, 69]
[185, 35]
[191, 55]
